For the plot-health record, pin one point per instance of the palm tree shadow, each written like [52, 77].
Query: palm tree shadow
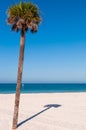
[47, 107]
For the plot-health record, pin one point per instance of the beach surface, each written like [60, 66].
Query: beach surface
[50, 111]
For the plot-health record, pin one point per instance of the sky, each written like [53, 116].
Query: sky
[56, 53]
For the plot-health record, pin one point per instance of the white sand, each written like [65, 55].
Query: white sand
[71, 115]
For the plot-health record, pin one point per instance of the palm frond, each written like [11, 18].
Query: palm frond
[24, 15]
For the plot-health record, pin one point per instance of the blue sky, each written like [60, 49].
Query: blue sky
[56, 53]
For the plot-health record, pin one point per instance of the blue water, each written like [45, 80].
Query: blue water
[43, 88]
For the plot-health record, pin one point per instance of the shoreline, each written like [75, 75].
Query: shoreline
[49, 111]
[26, 93]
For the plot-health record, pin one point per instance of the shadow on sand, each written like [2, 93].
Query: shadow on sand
[46, 108]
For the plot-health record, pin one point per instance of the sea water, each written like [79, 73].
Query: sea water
[42, 88]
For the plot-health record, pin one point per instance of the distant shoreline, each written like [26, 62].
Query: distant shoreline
[45, 83]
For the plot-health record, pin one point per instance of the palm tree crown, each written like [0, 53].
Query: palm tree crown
[24, 16]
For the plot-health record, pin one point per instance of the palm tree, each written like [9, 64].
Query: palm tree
[22, 17]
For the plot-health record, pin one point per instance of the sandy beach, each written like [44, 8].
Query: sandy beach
[54, 111]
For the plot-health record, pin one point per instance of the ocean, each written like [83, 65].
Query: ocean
[42, 88]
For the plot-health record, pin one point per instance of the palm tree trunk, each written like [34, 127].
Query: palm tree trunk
[19, 79]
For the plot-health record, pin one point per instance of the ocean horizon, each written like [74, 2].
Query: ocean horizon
[8, 88]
